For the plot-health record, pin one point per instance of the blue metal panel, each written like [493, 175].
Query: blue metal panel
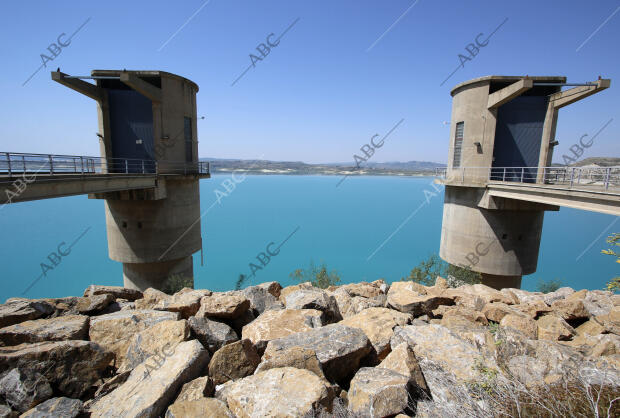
[131, 123]
[518, 135]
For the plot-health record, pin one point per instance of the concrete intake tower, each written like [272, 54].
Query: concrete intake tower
[499, 178]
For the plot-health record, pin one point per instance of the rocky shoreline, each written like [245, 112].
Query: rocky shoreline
[362, 349]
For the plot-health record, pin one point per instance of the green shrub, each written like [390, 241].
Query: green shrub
[427, 271]
[317, 275]
[177, 282]
[548, 286]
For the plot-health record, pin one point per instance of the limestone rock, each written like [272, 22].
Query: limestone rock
[56, 407]
[444, 347]
[205, 407]
[23, 310]
[151, 298]
[533, 309]
[272, 287]
[290, 289]
[363, 289]
[71, 367]
[404, 298]
[559, 294]
[93, 304]
[148, 391]
[523, 296]
[378, 325]
[23, 388]
[115, 331]
[261, 299]
[314, 299]
[212, 334]
[70, 327]
[554, 328]
[339, 348]
[598, 303]
[280, 323]
[461, 316]
[605, 345]
[7, 412]
[570, 309]
[495, 311]
[610, 321]
[117, 291]
[228, 305]
[590, 328]
[196, 389]
[488, 294]
[378, 392]
[402, 360]
[157, 341]
[233, 361]
[186, 302]
[278, 393]
[525, 325]
[298, 357]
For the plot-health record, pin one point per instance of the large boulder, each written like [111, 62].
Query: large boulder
[524, 324]
[379, 392]
[198, 388]
[92, 305]
[559, 294]
[570, 309]
[495, 311]
[298, 357]
[56, 407]
[280, 323]
[278, 393]
[407, 298]
[23, 388]
[378, 325]
[402, 360]
[352, 305]
[227, 305]
[115, 331]
[148, 391]
[185, 301]
[444, 347]
[598, 302]
[261, 299]
[488, 294]
[212, 334]
[554, 328]
[157, 340]
[273, 288]
[290, 289]
[364, 289]
[233, 361]
[70, 327]
[314, 299]
[533, 309]
[339, 348]
[71, 367]
[205, 407]
[21, 310]
[151, 298]
[117, 291]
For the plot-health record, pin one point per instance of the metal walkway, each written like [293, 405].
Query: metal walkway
[26, 177]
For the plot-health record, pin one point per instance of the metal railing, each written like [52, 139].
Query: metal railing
[601, 177]
[17, 164]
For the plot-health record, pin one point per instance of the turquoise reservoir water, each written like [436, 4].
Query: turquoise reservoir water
[341, 226]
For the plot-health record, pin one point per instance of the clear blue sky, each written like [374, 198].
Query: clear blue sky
[320, 94]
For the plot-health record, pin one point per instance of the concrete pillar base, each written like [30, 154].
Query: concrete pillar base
[501, 282]
[164, 276]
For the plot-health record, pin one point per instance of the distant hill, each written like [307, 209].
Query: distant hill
[600, 161]
[409, 168]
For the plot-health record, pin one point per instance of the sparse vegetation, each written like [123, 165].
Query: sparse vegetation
[614, 284]
[427, 271]
[177, 282]
[317, 275]
[548, 286]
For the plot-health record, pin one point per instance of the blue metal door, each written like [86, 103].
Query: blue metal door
[131, 123]
[518, 135]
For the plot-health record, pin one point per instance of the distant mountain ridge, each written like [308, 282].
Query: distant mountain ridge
[222, 165]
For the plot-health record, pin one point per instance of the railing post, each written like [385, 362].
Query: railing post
[544, 175]
[82, 164]
[522, 172]
[579, 177]
[51, 164]
[156, 167]
[126, 166]
[74, 165]
[142, 166]
[608, 172]
[572, 176]
[8, 162]
[24, 162]
[463, 175]
[504, 176]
